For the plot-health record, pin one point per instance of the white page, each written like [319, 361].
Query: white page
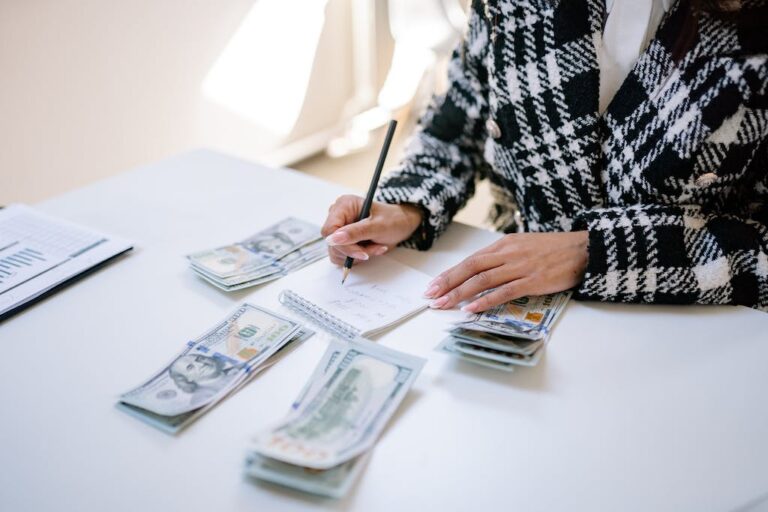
[376, 295]
[38, 252]
[20, 223]
[33, 288]
[34, 244]
[22, 261]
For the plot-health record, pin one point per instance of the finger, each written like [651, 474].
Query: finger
[456, 275]
[361, 252]
[502, 294]
[334, 221]
[373, 249]
[337, 257]
[361, 231]
[478, 283]
[342, 212]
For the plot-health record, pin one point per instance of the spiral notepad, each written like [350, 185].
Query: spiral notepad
[377, 295]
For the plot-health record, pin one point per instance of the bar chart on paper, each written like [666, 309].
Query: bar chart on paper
[19, 263]
[38, 253]
[31, 245]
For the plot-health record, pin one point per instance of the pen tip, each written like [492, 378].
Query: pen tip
[344, 277]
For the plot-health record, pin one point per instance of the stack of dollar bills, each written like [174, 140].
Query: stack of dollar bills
[212, 367]
[508, 335]
[323, 443]
[265, 256]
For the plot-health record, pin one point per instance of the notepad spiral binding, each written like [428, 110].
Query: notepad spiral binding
[318, 315]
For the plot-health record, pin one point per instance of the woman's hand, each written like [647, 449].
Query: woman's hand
[517, 265]
[387, 226]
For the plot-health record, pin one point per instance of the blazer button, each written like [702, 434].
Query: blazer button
[706, 179]
[493, 128]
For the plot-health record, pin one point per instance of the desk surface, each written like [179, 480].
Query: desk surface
[632, 407]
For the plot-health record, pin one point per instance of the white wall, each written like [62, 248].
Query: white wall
[89, 88]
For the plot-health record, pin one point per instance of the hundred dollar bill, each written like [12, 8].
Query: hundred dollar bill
[257, 251]
[466, 347]
[283, 264]
[333, 483]
[447, 346]
[282, 267]
[527, 317]
[341, 417]
[173, 424]
[497, 342]
[211, 366]
[506, 335]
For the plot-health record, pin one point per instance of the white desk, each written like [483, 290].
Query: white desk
[632, 408]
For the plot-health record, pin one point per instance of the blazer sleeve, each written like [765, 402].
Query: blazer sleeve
[679, 254]
[445, 155]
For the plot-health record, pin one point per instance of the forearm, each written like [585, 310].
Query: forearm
[674, 254]
[445, 155]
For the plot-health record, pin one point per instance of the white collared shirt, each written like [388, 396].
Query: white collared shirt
[629, 27]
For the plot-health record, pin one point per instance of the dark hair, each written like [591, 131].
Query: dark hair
[689, 33]
[718, 6]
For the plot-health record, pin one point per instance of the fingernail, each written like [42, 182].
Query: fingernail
[381, 250]
[431, 291]
[338, 238]
[360, 256]
[469, 308]
[439, 303]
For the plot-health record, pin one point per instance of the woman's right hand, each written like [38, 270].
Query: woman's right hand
[387, 226]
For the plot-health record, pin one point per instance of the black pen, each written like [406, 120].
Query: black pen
[366, 211]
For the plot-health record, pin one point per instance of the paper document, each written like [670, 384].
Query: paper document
[376, 296]
[38, 253]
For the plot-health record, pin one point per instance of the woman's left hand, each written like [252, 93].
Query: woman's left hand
[517, 265]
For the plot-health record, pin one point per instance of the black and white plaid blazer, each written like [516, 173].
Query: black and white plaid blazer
[671, 182]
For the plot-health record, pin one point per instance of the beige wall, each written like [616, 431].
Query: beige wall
[89, 88]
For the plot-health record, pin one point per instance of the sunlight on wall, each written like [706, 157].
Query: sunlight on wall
[263, 73]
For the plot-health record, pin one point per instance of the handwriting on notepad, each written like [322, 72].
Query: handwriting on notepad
[368, 303]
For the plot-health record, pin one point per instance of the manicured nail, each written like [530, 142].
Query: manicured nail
[470, 308]
[431, 291]
[439, 303]
[360, 256]
[338, 238]
[381, 250]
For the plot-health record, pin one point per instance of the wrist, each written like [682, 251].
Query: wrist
[413, 216]
[581, 243]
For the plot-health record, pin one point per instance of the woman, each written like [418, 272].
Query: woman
[640, 175]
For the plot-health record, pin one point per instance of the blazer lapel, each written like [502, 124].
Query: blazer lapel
[661, 129]
[652, 67]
